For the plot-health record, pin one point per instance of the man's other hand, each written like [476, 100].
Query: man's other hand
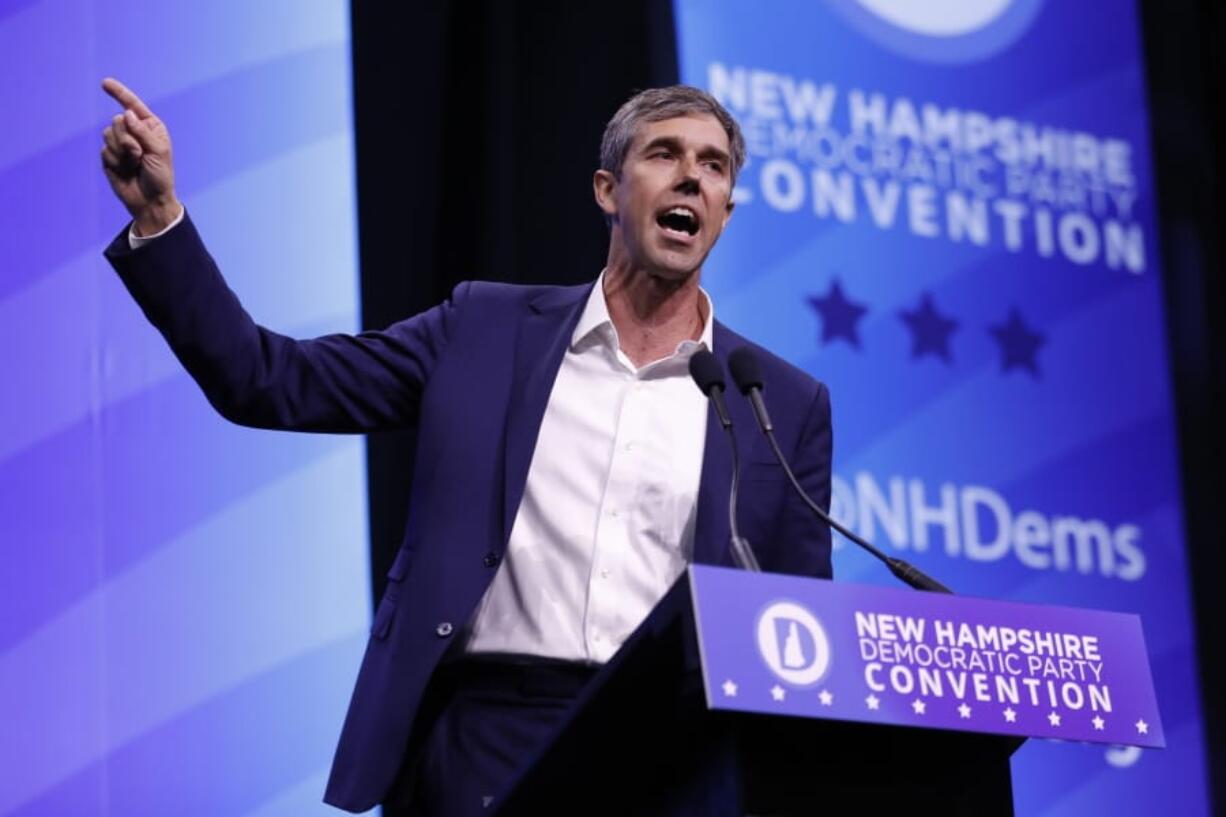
[137, 160]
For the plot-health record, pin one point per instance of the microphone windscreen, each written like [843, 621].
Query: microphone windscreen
[743, 364]
[705, 370]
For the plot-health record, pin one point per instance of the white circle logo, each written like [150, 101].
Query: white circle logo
[940, 31]
[793, 643]
[938, 18]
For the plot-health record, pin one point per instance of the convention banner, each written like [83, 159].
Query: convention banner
[948, 217]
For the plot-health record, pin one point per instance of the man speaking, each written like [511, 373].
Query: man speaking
[568, 469]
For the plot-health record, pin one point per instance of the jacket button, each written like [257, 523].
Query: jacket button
[490, 559]
[443, 629]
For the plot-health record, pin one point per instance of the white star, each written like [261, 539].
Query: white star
[1053, 719]
[487, 800]
[826, 698]
[872, 701]
[777, 692]
[919, 706]
[729, 689]
[1010, 715]
[964, 711]
[1142, 728]
[1098, 722]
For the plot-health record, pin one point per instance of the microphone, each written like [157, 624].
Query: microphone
[748, 378]
[705, 370]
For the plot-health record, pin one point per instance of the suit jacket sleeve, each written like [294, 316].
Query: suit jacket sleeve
[811, 461]
[256, 377]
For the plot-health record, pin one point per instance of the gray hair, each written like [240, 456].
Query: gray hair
[656, 104]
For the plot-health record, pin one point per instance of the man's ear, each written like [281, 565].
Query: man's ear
[604, 185]
[728, 212]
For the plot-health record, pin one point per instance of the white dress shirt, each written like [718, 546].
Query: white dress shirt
[606, 523]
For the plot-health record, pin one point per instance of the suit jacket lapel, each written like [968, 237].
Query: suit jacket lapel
[712, 533]
[543, 338]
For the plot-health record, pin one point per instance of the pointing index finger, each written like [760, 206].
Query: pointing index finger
[124, 96]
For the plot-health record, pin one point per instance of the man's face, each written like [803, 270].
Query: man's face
[673, 196]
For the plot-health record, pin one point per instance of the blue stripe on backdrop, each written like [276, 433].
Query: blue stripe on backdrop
[220, 128]
[255, 585]
[50, 501]
[947, 215]
[233, 768]
[183, 602]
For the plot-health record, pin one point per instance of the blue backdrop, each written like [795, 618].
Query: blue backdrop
[183, 602]
[948, 216]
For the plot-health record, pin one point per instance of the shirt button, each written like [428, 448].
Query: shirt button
[613, 512]
[443, 629]
[604, 572]
[490, 559]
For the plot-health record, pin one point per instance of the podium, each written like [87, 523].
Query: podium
[642, 741]
[651, 735]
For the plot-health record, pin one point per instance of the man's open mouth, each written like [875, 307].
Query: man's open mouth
[680, 220]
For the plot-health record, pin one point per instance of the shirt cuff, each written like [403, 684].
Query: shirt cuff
[135, 241]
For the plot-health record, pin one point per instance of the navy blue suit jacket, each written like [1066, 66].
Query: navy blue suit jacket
[474, 376]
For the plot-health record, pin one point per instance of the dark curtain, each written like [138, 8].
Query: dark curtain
[1186, 73]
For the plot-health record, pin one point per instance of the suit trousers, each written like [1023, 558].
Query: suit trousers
[482, 721]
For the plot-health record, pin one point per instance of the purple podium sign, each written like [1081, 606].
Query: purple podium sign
[786, 645]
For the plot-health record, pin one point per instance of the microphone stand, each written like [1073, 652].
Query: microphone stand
[748, 379]
[741, 551]
[905, 571]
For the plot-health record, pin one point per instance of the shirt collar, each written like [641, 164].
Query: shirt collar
[595, 318]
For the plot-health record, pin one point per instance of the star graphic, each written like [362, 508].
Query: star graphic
[1019, 345]
[1142, 728]
[826, 698]
[1053, 719]
[930, 330]
[777, 692]
[1010, 715]
[1098, 722]
[873, 701]
[487, 800]
[964, 711]
[729, 689]
[919, 706]
[839, 315]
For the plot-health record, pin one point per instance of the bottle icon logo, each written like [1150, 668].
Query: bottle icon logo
[793, 643]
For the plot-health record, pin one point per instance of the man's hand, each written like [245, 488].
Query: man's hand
[137, 160]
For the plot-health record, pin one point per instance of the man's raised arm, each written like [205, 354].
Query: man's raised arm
[252, 376]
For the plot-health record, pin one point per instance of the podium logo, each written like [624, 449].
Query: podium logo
[793, 643]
